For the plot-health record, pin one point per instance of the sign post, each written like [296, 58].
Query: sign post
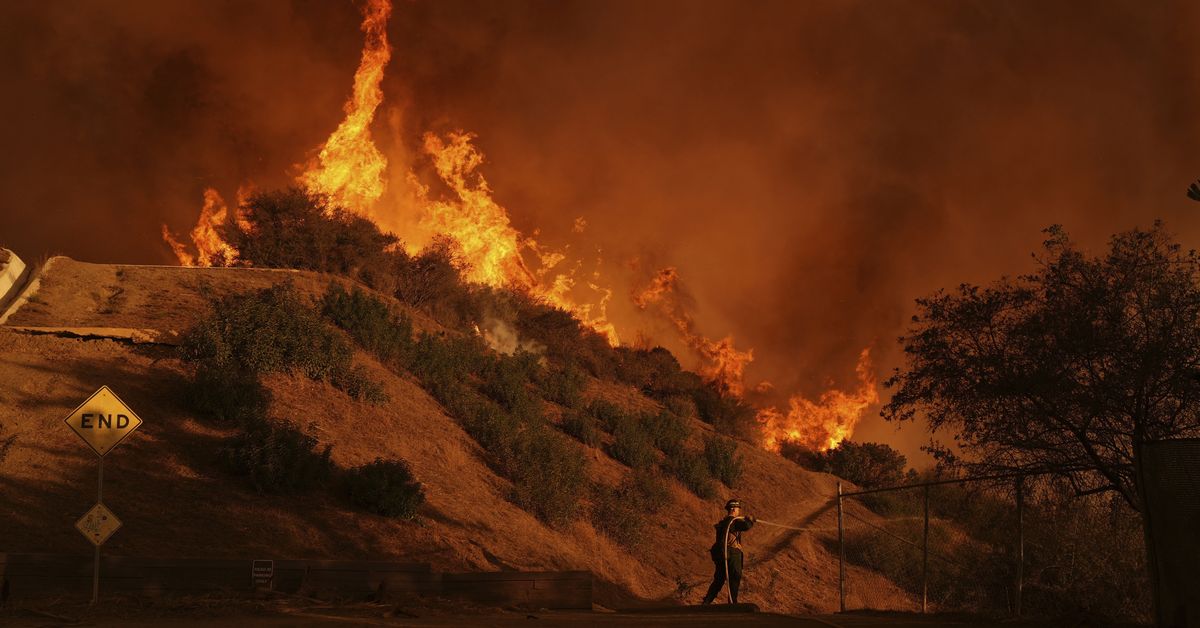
[103, 422]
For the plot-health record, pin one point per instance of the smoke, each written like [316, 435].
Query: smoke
[809, 168]
[502, 337]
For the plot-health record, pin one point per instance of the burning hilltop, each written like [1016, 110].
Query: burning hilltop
[352, 173]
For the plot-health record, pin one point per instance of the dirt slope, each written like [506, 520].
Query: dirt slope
[165, 482]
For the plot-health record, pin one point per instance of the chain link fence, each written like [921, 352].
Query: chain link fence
[1004, 545]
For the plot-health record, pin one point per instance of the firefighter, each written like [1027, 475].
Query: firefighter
[726, 552]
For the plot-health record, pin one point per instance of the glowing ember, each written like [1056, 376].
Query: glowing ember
[822, 424]
[349, 169]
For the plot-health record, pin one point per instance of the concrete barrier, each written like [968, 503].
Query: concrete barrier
[44, 575]
[13, 274]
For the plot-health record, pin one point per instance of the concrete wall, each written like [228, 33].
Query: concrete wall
[12, 277]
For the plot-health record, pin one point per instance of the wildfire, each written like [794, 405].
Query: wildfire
[211, 248]
[823, 424]
[349, 169]
[721, 361]
[352, 172]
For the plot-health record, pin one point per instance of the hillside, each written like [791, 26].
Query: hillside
[175, 499]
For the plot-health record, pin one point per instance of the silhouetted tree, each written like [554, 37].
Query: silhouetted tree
[1065, 370]
[1068, 370]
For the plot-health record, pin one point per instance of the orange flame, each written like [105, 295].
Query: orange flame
[492, 249]
[349, 169]
[721, 361]
[823, 424]
[211, 247]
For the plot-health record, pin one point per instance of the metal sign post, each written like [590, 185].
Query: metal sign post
[103, 422]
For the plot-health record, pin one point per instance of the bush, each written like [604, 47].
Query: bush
[869, 465]
[358, 385]
[667, 431]
[631, 444]
[607, 414]
[728, 414]
[548, 475]
[723, 460]
[582, 427]
[277, 458]
[294, 228]
[563, 386]
[507, 381]
[620, 512]
[442, 358]
[230, 395]
[384, 487]
[432, 281]
[370, 322]
[691, 469]
[267, 331]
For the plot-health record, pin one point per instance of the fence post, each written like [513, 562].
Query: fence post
[841, 553]
[1020, 544]
[925, 558]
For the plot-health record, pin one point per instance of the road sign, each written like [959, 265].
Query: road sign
[262, 572]
[98, 524]
[103, 421]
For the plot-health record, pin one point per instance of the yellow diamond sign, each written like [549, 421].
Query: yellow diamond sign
[103, 421]
[98, 524]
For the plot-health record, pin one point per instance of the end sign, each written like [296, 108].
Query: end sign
[103, 421]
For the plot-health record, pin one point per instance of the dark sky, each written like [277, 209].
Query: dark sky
[810, 167]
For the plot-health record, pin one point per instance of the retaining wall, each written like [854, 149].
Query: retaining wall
[41, 575]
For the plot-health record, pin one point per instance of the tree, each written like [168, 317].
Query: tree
[1066, 370]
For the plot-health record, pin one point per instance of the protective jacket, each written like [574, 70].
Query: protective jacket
[736, 527]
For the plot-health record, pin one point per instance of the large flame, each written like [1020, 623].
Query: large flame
[823, 424]
[721, 362]
[349, 169]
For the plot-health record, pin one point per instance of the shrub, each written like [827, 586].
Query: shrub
[266, 331]
[582, 426]
[869, 465]
[370, 322]
[607, 414]
[231, 395]
[631, 444]
[432, 281]
[384, 487]
[548, 475]
[277, 458]
[691, 469]
[294, 228]
[667, 431]
[723, 460]
[727, 413]
[620, 512]
[358, 385]
[507, 381]
[441, 358]
[563, 386]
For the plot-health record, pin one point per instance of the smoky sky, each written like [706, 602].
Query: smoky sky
[809, 167]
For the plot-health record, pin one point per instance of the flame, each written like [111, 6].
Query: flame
[823, 424]
[349, 168]
[721, 361]
[493, 251]
[211, 247]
